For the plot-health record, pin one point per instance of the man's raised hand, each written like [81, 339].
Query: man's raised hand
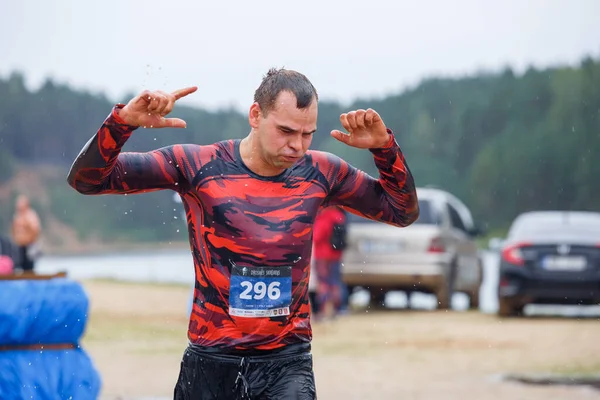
[149, 108]
[365, 128]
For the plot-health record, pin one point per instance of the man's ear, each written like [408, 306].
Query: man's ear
[254, 115]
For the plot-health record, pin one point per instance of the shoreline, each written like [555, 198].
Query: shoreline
[102, 249]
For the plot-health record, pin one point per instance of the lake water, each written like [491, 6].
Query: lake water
[176, 267]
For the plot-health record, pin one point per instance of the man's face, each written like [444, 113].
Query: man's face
[286, 132]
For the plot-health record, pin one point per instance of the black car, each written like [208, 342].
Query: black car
[550, 257]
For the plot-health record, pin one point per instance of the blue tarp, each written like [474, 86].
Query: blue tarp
[42, 311]
[48, 375]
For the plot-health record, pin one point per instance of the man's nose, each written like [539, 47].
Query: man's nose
[295, 142]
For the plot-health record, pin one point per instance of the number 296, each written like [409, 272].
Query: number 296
[259, 290]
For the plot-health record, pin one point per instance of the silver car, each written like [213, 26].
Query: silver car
[437, 254]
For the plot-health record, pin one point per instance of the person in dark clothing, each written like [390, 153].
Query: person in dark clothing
[25, 231]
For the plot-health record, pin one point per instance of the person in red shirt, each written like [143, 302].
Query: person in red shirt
[250, 207]
[328, 237]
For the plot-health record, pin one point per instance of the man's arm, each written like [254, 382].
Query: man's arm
[101, 168]
[391, 199]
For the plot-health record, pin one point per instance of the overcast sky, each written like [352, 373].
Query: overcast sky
[347, 48]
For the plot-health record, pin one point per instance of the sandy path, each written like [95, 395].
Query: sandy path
[386, 355]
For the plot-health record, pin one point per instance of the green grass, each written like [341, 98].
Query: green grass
[578, 369]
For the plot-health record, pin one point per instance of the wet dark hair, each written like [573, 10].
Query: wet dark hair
[280, 80]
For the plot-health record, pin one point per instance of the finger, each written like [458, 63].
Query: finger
[143, 99]
[360, 118]
[184, 92]
[169, 107]
[153, 103]
[341, 136]
[173, 123]
[369, 115]
[163, 101]
[352, 120]
[344, 121]
[372, 117]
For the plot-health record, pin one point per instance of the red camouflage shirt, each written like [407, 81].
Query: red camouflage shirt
[250, 236]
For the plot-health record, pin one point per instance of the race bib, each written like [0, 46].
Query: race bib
[260, 291]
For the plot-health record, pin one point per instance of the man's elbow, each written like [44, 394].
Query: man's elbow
[410, 217]
[72, 181]
[80, 187]
[413, 216]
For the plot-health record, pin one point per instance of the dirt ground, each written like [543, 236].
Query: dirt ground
[136, 336]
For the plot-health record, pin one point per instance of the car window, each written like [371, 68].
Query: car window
[544, 223]
[427, 215]
[455, 218]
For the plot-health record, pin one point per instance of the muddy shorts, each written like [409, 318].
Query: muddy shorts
[211, 376]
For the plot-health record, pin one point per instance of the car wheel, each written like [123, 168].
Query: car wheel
[506, 308]
[474, 300]
[443, 298]
[445, 292]
[377, 300]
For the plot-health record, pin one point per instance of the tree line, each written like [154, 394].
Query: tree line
[502, 142]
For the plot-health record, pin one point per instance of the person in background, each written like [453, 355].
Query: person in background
[312, 287]
[13, 258]
[329, 236]
[26, 228]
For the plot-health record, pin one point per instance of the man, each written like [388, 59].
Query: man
[329, 244]
[25, 231]
[250, 206]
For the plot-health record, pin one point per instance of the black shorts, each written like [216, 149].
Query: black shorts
[26, 262]
[210, 376]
